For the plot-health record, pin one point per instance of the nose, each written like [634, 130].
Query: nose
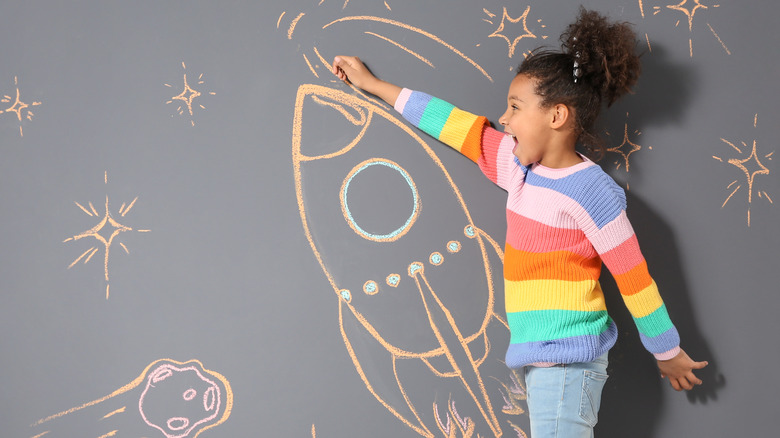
[502, 119]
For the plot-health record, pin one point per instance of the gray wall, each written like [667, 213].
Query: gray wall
[212, 303]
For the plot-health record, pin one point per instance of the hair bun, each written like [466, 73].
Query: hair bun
[604, 52]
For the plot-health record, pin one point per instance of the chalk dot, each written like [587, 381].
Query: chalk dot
[453, 246]
[370, 287]
[393, 280]
[436, 258]
[414, 268]
[189, 394]
[346, 295]
[470, 232]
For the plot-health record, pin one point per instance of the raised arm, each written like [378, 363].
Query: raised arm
[469, 134]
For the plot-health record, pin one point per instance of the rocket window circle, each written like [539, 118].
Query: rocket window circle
[344, 197]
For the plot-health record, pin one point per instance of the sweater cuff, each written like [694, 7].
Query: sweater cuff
[400, 101]
[667, 355]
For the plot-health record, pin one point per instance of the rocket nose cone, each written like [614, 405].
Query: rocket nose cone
[328, 122]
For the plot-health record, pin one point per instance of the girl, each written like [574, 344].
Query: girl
[564, 217]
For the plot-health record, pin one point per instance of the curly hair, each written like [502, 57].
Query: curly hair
[597, 63]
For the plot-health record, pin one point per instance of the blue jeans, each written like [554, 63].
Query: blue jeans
[563, 400]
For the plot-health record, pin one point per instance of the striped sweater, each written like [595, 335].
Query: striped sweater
[561, 225]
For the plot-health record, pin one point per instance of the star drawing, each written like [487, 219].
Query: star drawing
[751, 166]
[501, 31]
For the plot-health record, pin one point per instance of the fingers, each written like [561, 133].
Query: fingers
[344, 65]
[699, 365]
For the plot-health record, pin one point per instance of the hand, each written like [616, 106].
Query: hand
[679, 370]
[352, 69]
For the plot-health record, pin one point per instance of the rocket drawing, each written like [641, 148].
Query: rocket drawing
[411, 271]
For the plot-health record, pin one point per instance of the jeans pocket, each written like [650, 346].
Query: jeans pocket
[590, 401]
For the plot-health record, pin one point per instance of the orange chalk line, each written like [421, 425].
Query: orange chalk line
[129, 206]
[489, 14]
[90, 256]
[359, 368]
[755, 120]
[732, 183]
[407, 50]
[486, 411]
[768, 198]
[280, 19]
[123, 246]
[310, 66]
[388, 7]
[313, 431]
[93, 209]
[647, 37]
[732, 194]
[719, 40]
[41, 434]
[85, 210]
[731, 144]
[118, 411]
[112, 433]
[80, 257]
[641, 8]
[413, 29]
[343, 111]
[293, 24]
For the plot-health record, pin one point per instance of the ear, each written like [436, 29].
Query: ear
[560, 115]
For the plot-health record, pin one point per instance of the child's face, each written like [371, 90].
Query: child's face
[526, 120]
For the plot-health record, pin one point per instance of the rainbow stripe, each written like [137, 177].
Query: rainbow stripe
[561, 225]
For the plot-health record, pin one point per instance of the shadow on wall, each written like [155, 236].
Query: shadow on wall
[633, 392]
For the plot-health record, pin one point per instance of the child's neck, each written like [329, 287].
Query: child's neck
[559, 159]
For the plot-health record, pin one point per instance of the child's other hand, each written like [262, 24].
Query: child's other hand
[679, 370]
[351, 68]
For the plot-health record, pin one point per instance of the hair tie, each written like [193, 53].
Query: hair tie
[577, 72]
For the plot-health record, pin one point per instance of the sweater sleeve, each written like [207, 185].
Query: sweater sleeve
[614, 239]
[469, 134]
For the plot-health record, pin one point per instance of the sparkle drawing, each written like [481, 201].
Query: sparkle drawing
[625, 148]
[749, 162]
[503, 31]
[688, 9]
[188, 94]
[105, 231]
[173, 399]
[21, 109]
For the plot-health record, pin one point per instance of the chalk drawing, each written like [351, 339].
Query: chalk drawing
[521, 23]
[175, 399]
[370, 22]
[189, 94]
[626, 148]
[688, 9]
[106, 230]
[749, 163]
[449, 351]
[21, 109]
